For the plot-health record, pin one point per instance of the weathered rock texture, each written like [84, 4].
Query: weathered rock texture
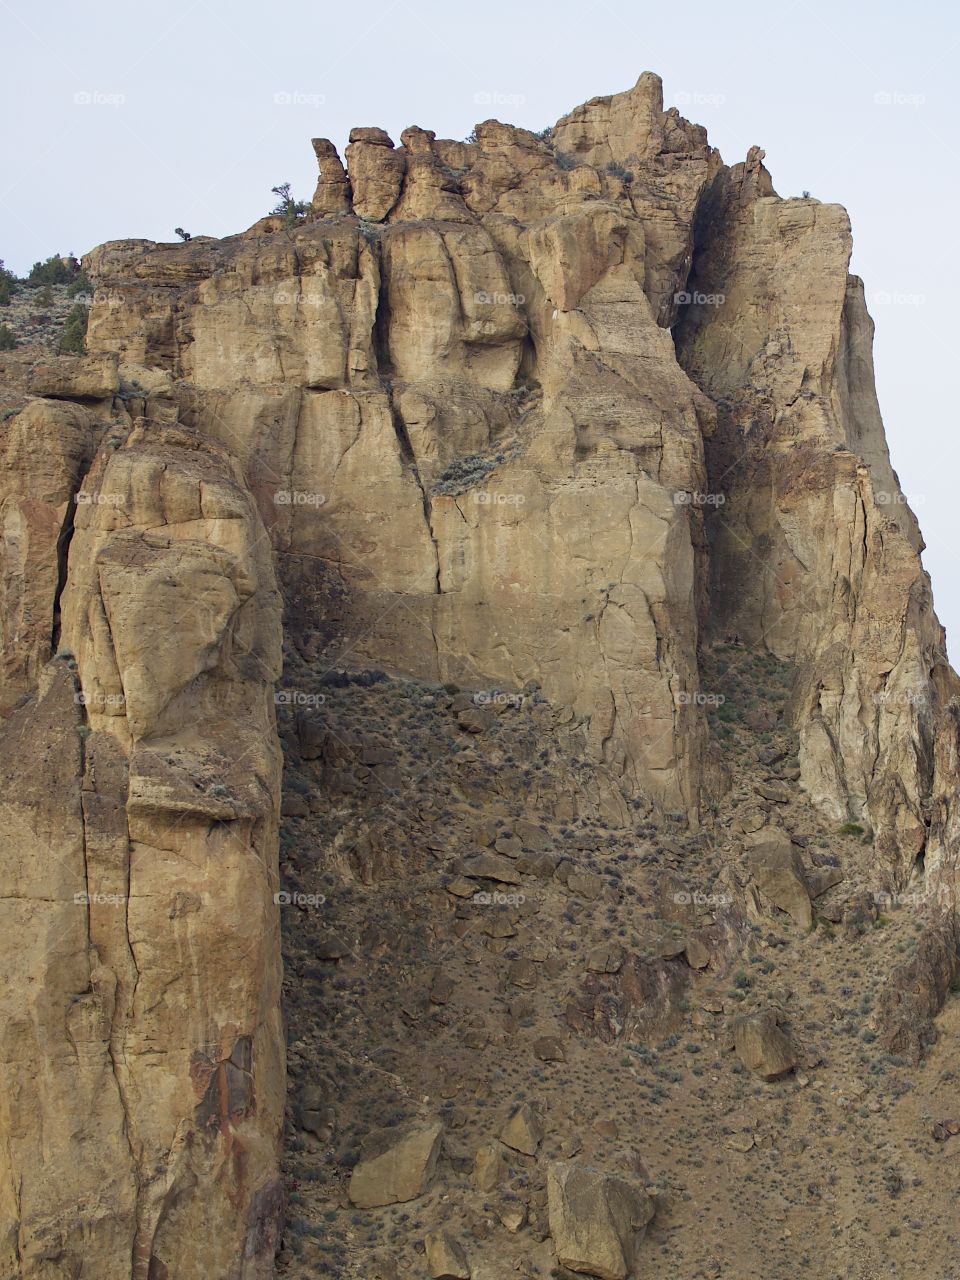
[469, 413]
[816, 554]
[461, 413]
[142, 1052]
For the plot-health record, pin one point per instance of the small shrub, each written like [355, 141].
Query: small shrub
[7, 338]
[851, 829]
[185, 235]
[82, 284]
[564, 161]
[9, 284]
[617, 170]
[74, 330]
[292, 211]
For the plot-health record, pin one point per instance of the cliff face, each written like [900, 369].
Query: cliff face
[511, 412]
[467, 387]
[143, 1051]
[816, 554]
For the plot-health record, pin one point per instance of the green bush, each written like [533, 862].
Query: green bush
[7, 339]
[617, 170]
[74, 330]
[82, 284]
[292, 211]
[9, 284]
[53, 271]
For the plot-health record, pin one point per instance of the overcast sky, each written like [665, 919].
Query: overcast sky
[127, 118]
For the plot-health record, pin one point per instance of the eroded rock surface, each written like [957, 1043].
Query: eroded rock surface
[142, 930]
[575, 436]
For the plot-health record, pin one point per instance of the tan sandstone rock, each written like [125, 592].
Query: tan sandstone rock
[446, 1259]
[596, 1220]
[763, 1047]
[395, 1165]
[777, 868]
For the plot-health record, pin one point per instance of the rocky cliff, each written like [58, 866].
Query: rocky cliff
[553, 419]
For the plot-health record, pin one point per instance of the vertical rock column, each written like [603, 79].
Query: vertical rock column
[145, 1077]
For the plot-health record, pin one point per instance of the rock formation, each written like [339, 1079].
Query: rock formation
[549, 417]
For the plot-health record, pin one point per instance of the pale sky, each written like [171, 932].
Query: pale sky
[127, 118]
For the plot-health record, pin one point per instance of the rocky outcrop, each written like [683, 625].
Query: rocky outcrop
[468, 381]
[468, 342]
[541, 413]
[779, 337]
[140, 924]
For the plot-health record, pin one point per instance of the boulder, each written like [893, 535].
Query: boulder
[777, 792]
[596, 1220]
[488, 1167]
[523, 1131]
[820, 879]
[777, 870]
[446, 1259]
[549, 1049]
[395, 1165]
[491, 866]
[763, 1047]
[77, 378]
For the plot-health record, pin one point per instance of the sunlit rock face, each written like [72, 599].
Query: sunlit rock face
[559, 409]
